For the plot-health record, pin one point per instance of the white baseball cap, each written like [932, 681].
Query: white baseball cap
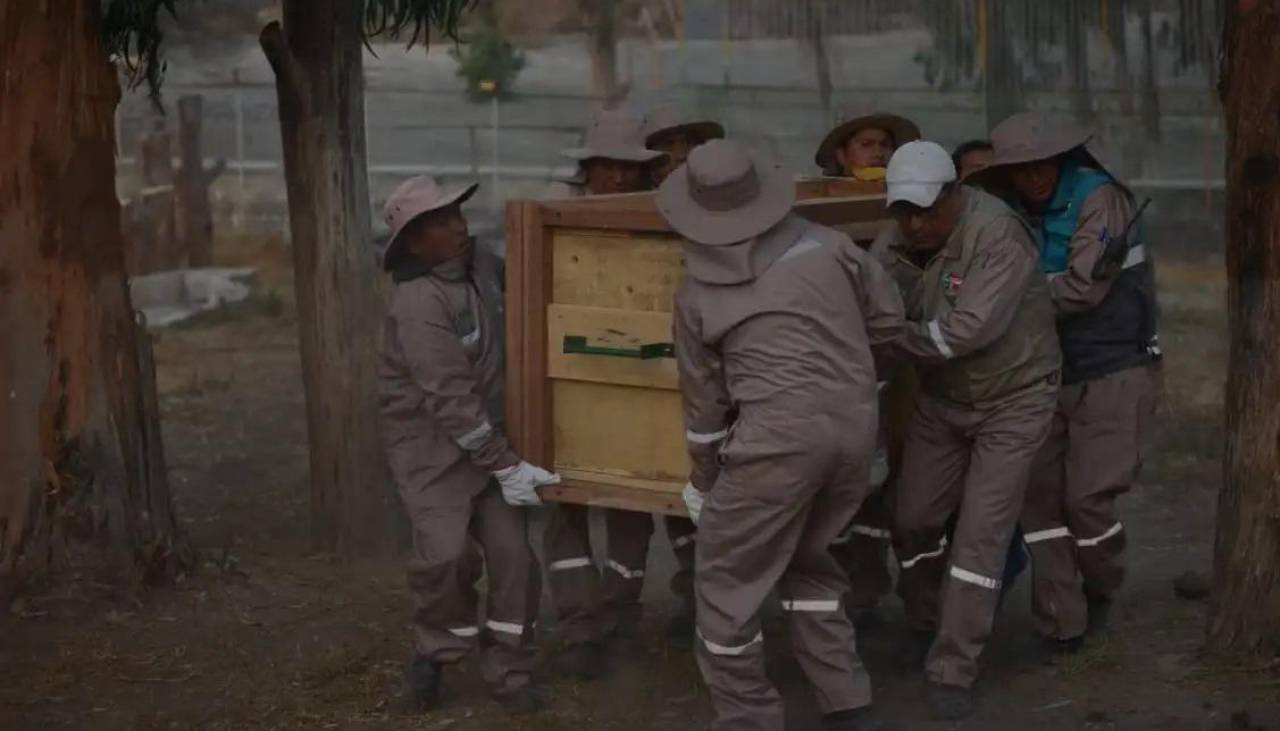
[917, 173]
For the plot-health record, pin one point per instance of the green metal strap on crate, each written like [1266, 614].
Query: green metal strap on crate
[577, 344]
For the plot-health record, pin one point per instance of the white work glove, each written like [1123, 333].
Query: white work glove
[693, 499]
[520, 483]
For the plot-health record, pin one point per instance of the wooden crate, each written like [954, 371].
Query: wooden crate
[591, 385]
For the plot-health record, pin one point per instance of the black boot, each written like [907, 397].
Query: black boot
[949, 702]
[915, 648]
[519, 699]
[1057, 647]
[419, 688]
[582, 660]
[681, 626]
[1099, 614]
[857, 719]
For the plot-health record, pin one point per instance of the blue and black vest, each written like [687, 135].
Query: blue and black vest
[1120, 332]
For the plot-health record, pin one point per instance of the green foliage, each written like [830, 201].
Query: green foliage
[488, 63]
[131, 34]
[131, 31]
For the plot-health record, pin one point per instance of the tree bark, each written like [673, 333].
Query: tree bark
[316, 57]
[79, 446]
[1245, 613]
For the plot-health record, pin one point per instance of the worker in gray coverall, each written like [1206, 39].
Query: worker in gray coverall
[774, 329]
[596, 605]
[981, 334]
[440, 383]
[1106, 307]
[669, 131]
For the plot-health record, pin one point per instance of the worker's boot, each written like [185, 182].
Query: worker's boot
[857, 719]
[419, 688]
[915, 648]
[582, 660]
[519, 697]
[681, 626]
[1058, 647]
[949, 702]
[1099, 614]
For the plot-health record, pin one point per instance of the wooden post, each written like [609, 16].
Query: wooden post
[1245, 613]
[193, 217]
[316, 57]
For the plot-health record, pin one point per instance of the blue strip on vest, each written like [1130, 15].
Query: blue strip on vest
[1058, 226]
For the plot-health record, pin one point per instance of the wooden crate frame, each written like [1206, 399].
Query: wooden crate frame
[530, 231]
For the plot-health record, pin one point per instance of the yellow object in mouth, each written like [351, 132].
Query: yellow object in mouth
[869, 175]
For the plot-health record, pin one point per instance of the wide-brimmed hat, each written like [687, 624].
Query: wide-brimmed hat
[411, 199]
[667, 119]
[725, 193]
[902, 130]
[1028, 137]
[614, 135]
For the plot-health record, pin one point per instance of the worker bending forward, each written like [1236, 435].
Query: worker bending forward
[981, 332]
[440, 381]
[774, 329]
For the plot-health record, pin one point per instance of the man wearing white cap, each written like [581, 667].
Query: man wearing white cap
[775, 325]
[440, 380]
[981, 334]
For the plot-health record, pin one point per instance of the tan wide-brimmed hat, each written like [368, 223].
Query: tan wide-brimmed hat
[1027, 137]
[411, 199]
[725, 193]
[902, 130]
[667, 119]
[614, 135]
[1032, 136]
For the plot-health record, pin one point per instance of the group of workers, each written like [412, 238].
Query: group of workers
[977, 381]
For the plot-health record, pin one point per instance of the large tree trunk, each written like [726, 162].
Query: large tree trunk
[79, 450]
[1245, 616]
[320, 86]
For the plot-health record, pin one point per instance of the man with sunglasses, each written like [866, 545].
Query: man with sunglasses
[981, 335]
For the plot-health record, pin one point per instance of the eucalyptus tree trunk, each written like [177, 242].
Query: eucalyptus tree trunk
[316, 57]
[1245, 614]
[81, 464]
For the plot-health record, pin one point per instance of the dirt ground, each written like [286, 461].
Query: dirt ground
[269, 635]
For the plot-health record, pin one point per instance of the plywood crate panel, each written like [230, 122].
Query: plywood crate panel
[592, 389]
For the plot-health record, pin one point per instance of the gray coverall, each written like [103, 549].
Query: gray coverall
[440, 378]
[586, 610]
[1095, 446]
[774, 342]
[981, 334]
